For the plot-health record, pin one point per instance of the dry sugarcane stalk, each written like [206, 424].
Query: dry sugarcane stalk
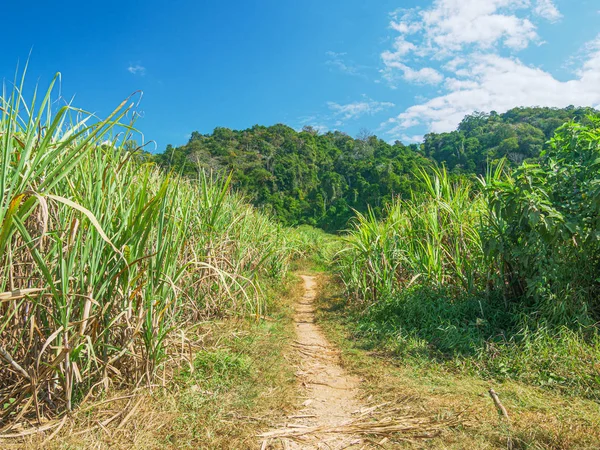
[382, 427]
[13, 363]
[18, 293]
[31, 431]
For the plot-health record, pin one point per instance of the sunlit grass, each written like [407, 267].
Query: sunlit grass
[424, 287]
[103, 255]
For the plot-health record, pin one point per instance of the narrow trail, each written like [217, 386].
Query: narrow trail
[332, 416]
[330, 392]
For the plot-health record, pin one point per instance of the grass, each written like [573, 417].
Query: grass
[134, 304]
[426, 283]
[104, 258]
[476, 336]
[431, 238]
[315, 246]
[238, 381]
[539, 418]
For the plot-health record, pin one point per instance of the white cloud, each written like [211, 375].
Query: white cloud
[406, 27]
[136, 69]
[454, 84]
[401, 47]
[393, 62]
[321, 128]
[454, 64]
[311, 121]
[415, 139]
[452, 24]
[548, 10]
[426, 75]
[450, 27]
[358, 109]
[338, 60]
[470, 50]
[500, 83]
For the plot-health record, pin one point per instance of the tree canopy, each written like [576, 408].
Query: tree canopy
[481, 138]
[319, 179]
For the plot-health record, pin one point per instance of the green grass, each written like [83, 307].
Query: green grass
[426, 283]
[218, 369]
[480, 338]
[315, 247]
[541, 418]
[231, 384]
[241, 384]
[103, 256]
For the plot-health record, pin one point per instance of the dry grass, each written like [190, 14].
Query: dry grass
[539, 419]
[382, 423]
[105, 261]
[195, 405]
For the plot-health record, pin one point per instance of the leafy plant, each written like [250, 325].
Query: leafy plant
[500, 278]
[103, 255]
[544, 222]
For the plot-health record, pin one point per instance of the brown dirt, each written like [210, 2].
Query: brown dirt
[333, 415]
[330, 393]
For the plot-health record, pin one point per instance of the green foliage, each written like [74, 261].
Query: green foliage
[501, 280]
[102, 255]
[303, 177]
[431, 238]
[319, 180]
[483, 139]
[480, 336]
[315, 245]
[545, 222]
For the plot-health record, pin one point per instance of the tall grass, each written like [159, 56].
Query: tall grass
[102, 255]
[431, 238]
[476, 276]
[315, 245]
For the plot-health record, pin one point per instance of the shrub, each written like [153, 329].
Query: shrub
[544, 230]
[502, 279]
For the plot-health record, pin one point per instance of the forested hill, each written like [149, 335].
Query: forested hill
[518, 134]
[307, 177]
[304, 177]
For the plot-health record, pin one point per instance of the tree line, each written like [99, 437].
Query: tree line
[304, 177]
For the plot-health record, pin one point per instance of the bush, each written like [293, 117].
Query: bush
[501, 280]
[544, 230]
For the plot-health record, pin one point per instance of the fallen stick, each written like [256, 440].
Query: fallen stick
[13, 363]
[31, 431]
[504, 414]
[499, 406]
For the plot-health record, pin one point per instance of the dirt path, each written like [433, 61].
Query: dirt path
[330, 392]
[332, 416]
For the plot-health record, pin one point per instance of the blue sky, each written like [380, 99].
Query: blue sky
[397, 68]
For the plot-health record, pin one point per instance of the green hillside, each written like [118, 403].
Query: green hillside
[517, 135]
[304, 177]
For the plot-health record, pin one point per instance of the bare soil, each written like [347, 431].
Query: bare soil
[335, 414]
[330, 392]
